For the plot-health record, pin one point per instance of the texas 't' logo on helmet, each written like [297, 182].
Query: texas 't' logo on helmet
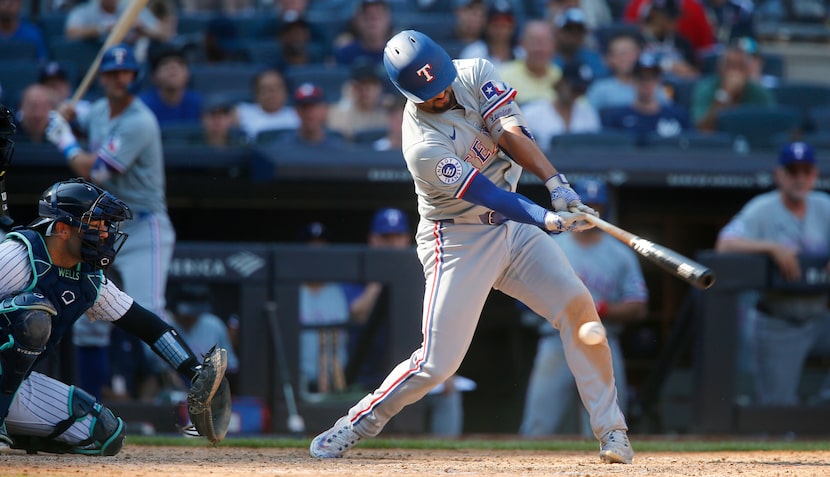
[424, 71]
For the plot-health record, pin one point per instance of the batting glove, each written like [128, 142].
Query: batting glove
[564, 221]
[563, 197]
[60, 134]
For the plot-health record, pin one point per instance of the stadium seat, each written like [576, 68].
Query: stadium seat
[803, 96]
[692, 140]
[820, 118]
[602, 139]
[217, 78]
[15, 50]
[758, 125]
[80, 53]
[369, 136]
[14, 78]
[439, 26]
[271, 135]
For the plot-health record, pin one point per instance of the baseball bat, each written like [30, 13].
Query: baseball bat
[295, 423]
[675, 263]
[118, 32]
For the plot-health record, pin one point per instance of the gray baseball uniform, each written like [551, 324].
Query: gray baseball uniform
[788, 325]
[129, 148]
[464, 256]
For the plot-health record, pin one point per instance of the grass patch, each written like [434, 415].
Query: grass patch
[641, 444]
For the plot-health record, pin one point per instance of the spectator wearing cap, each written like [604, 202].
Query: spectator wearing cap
[597, 12]
[371, 27]
[612, 273]
[572, 34]
[645, 117]
[220, 43]
[270, 109]
[470, 20]
[732, 85]
[361, 108]
[312, 109]
[621, 55]
[676, 53]
[786, 224]
[731, 19]
[218, 128]
[323, 317]
[569, 112]
[93, 20]
[169, 97]
[33, 113]
[691, 23]
[534, 75]
[756, 62]
[499, 44]
[13, 28]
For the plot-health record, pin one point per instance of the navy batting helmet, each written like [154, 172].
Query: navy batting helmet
[420, 68]
[118, 58]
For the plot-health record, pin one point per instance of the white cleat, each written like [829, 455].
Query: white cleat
[615, 448]
[336, 441]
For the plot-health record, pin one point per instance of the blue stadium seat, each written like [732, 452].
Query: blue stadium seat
[14, 50]
[15, 76]
[222, 77]
[439, 26]
[803, 96]
[605, 139]
[692, 140]
[758, 125]
[80, 53]
[820, 118]
[52, 26]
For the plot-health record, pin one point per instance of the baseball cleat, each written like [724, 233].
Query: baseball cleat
[336, 441]
[615, 448]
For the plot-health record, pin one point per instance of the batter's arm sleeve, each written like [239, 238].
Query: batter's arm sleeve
[512, 205]
[163, 338]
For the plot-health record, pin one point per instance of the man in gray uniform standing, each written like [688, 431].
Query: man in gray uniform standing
[125, 157]
[791, 221]
[465, 143]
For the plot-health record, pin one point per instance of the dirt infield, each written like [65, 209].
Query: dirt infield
[199, 462]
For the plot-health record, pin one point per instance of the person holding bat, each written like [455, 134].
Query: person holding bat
[125, 156]
[465, 142]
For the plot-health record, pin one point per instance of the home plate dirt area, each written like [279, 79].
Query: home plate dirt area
[201, 461]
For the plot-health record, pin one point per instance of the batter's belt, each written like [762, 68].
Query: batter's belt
[488, 218]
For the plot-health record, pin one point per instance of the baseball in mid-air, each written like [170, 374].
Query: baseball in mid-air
[592, 332]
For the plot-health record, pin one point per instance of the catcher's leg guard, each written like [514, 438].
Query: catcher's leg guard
[26, 327]
[107, 432]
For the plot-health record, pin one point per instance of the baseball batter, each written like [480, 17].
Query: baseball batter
[465, 144]
[51, 273]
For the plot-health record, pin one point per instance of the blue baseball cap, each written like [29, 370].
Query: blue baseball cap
[592, 191]
[390, 221]
[797, 153]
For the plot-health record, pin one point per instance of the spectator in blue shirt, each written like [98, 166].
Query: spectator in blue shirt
[571, 35]
[170, 98]
[14, 28]
[371, 28]
[646, 116]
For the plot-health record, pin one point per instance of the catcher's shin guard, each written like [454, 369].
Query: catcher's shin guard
[107, 432]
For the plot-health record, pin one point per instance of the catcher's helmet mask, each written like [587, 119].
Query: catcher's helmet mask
[77, 202]
[418, 66]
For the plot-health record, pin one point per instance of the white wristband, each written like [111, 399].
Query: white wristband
[557, 180]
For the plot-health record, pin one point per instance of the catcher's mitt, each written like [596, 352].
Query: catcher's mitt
[209, 398]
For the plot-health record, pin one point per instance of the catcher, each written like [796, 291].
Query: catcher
[52, 272]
